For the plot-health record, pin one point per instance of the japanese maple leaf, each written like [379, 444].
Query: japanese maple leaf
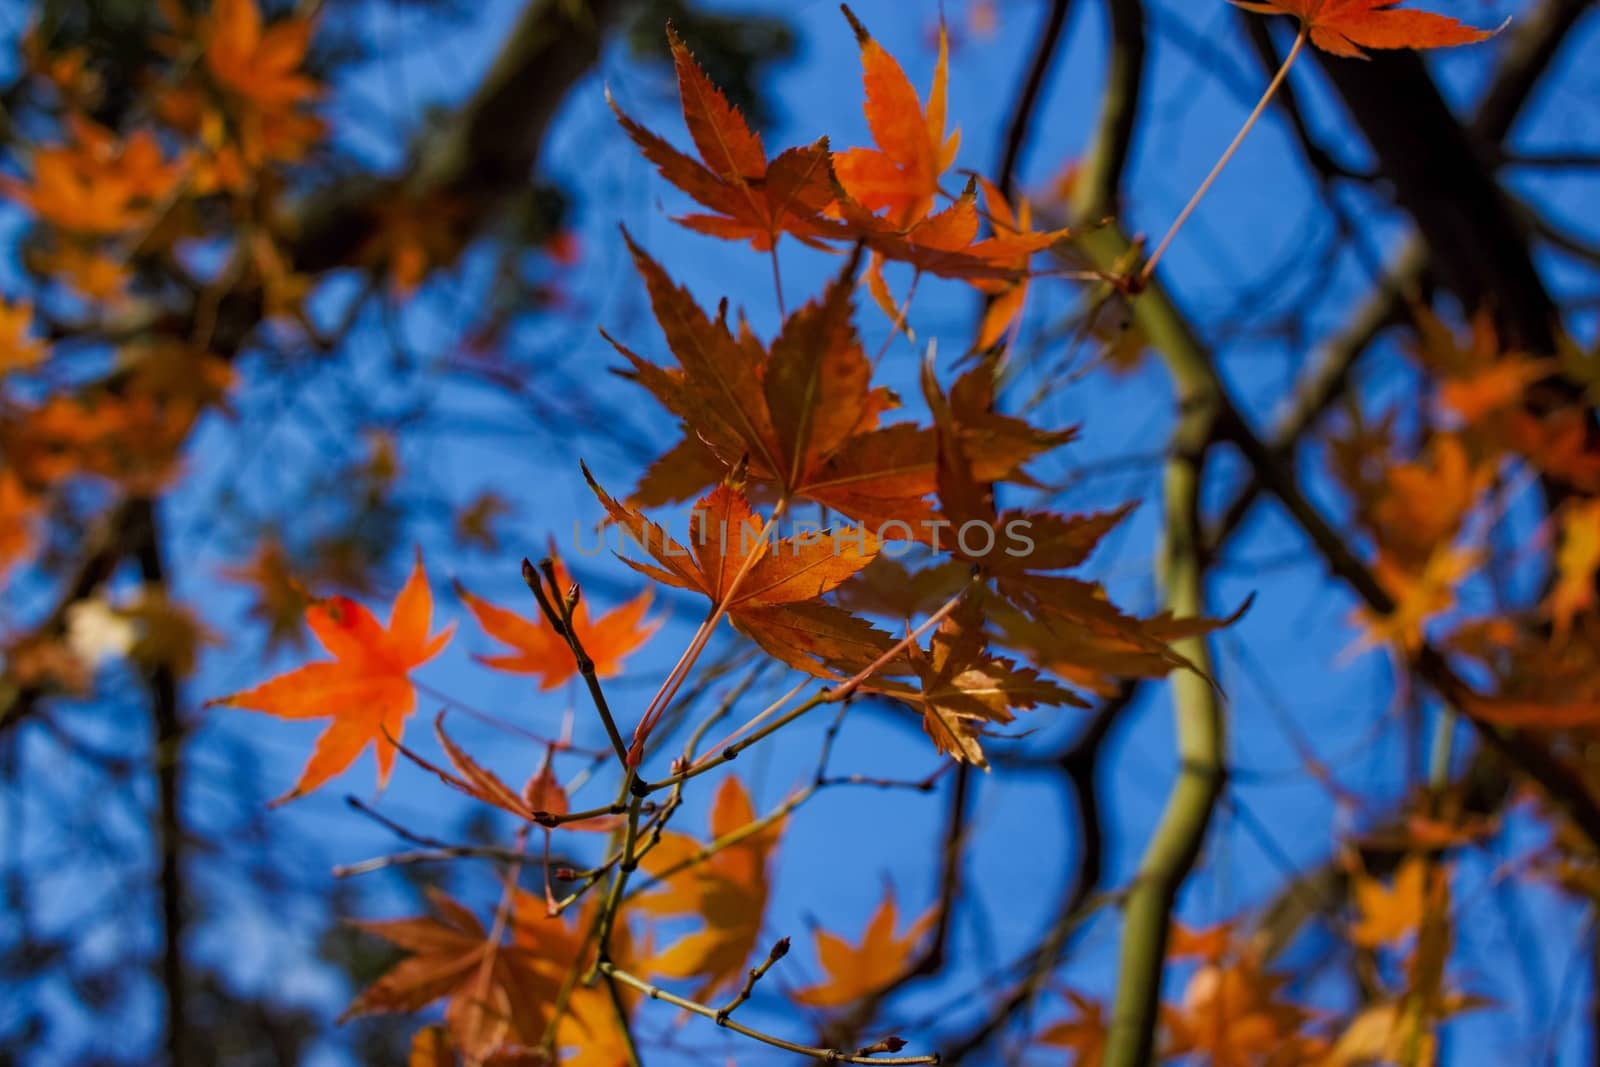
[946, 243]
[1086, 1033]
[1477, 378]
[965, 688]
[1541, 684]
[775, 602]
[134, 439]
[1420, 593]
[1345, 27]
[413, 235]
[1399, 1030]
[1558, 444]
[496, 991]
[900, 175]
[560, 947]
[1235, 1015]
[1008, 297]
[19, 513]
[727, 889]
[365, 689]
[786, 409]
[1405, 1028]
[475, 522]
[1421, 504]
[856, 971]
[801, 413]
[1209, 943]
[96, 184]
[1095, 657]
[1026, 566]
[261, 63]
[751, 199]
[502, 992]
[280, 600]
[1577, 561]
[540, 799]
[539, 650]
[1390, 914]
[19, 349]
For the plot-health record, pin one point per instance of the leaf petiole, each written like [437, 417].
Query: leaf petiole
[1149, 269]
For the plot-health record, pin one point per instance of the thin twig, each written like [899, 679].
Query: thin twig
[561, 620]
[779, 950]
[1244, 131]
[827, 1055]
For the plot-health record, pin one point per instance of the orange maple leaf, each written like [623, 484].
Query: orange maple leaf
[502, 994]
[1096, 656]
[257, 62]
[1558, 444]
[19, 349]
[1389, 914]
[1234, 1015]
[1208, 943]
[96, 184]
[1421, 594]
[1005, 309]
[413, 236]
[542, 800]
[1477, 377]
[365, 689]
[946, 243]
[1415, 507]
[964, 687]
[902, 173]
[1395, 1030]
[1577, 560]
[539, 650]
[1345, 27]
[135, 438]
[728, 889]
[856, 971]
[448, 952]
[1057, 609]
[752, 200]
[1542, 684]
[475, 522]
[775, 603]
[19, 511]
[800, 413]
[1086, 1033]
[280, 599]
[95, 275]
[587, 1033]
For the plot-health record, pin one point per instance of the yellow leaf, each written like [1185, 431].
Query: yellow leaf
[1391, 914]
[857, 971]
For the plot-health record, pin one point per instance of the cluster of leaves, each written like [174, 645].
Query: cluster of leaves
[980, 634]
[162, 163]
[154, 249]
[186, 191]
[796, 421]
[1500, 423]
[190, 191]
[787, 423]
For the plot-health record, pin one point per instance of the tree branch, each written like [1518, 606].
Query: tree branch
[168, 762]
[1023, 111]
